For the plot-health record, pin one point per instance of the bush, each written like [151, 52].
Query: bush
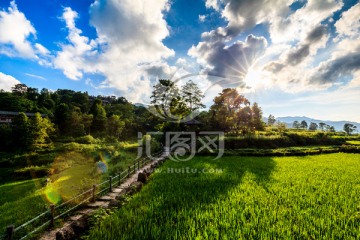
[88, 139]
[287, 140]
[31, 172]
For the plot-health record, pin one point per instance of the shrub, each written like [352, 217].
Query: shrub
[88, 139]
[31, 172]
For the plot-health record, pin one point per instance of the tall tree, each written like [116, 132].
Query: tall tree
[192, 96]
[313, 126]
[322, 126]
[296, 125]
[349, 128]
[99, 122]
[21, 131]
[62, 115]
[257, 120]
[166, 99]
[271, 120]
[115, 126]
[40, 130]
[303, 124]
[225, 111]
[19, 89]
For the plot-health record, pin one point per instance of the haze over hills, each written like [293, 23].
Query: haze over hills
[337, 124]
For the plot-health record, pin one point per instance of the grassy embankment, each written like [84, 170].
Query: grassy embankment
[71, 168]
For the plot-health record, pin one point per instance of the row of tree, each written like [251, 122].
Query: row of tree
[313, 126]
[75, 114]
[231, 112]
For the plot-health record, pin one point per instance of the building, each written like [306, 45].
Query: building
[7, 116]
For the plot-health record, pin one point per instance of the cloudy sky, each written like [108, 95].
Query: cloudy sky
[294, 58]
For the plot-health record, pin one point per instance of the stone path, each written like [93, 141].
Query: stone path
[78, 221]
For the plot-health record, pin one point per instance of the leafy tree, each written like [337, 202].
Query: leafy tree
[81, 100]
[257, 120]
[322, 126]
[40, 130]
[296, 125]
[349, 128]
[75, 124]
[115, 126]
[167, 100]
[21, 131]
[62, 116]
[192, 96]
[304, 124]
[313, 126]
[281, 127]
[244, 120]
[32, 94]
[99, 122]
[19, 89]
[16, 103]
[271, 120]
[87, 120]
[226, 114]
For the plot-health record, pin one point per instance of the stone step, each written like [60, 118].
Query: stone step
[113, 194]
[86, 211]
[98, 204]
[76, 217]
[106, 198]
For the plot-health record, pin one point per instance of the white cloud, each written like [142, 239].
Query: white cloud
[41, 49]
[35, 76]
[298, 24]
[15, 30]
[72, 59]
[7, 82]
[202, 18]
[215, 4]
[349, 23]
[128, 49]
[230, 62]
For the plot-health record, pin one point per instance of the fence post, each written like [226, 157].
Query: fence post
[119, 178]
[128, 172]
[10, 232]
[93, 193]
[52, 214]
[110, 187]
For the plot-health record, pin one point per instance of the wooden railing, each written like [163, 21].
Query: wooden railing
[47, 218]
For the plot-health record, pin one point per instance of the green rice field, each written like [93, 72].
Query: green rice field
[309, 197]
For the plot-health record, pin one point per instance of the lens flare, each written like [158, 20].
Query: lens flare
[52, 195]
[102, 164]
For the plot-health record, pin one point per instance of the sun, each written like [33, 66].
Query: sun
[254, 78]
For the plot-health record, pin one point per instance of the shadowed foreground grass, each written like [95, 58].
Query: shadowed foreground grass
[312, 197]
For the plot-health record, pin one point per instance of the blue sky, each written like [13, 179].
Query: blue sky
[294, 58]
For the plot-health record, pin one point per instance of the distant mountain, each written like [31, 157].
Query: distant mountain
[338, 125]
[140, 105]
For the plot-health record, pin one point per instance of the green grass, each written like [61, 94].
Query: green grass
[354, 142]
[20, 201]
[72, 169]
[312, 197]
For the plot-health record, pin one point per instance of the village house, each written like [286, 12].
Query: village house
[7, 116]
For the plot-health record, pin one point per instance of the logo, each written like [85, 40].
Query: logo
[183, 146]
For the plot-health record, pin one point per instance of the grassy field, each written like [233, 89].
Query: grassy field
[311, 197]
[72, 169]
